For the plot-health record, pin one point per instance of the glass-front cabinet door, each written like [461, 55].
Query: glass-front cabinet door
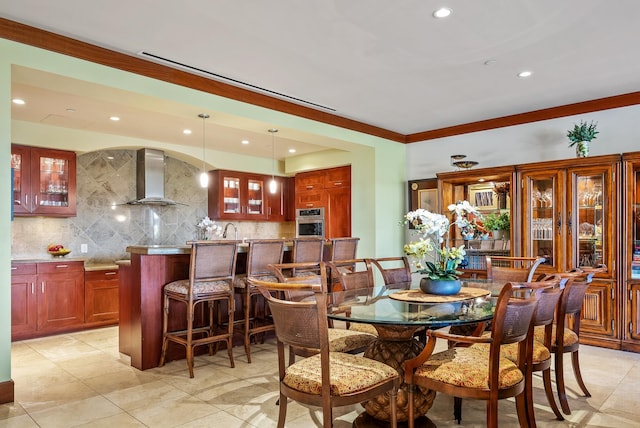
[543, 205]
[44, 181]
[631, 253]
[255, 201]
[232, 194]
[589, 218]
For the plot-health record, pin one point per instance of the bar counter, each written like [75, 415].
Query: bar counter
[141, 281]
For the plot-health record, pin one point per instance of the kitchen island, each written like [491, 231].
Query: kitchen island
[141, 281]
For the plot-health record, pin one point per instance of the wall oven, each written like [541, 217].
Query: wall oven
[310, 222]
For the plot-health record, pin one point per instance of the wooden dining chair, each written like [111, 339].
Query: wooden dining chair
[470, 372]
[256, 317]
[340, 339]
[549, 291]
[393, 269]
[352, 274]
[211, 277]
[565, 335]
[326, 379]
[521, 269]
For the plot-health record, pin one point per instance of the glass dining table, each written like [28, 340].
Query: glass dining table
[399, 312]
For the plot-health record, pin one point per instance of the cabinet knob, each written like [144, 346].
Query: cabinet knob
[62, 266]
[309, 187]
[110, 273]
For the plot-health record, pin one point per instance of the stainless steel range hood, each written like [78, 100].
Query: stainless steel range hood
[150, 179]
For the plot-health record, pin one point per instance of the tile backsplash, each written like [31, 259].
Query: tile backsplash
[106, 180]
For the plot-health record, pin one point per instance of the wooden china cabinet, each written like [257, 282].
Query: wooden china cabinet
[569, 212]
[630, 270]
[44, 181]
[477, 186]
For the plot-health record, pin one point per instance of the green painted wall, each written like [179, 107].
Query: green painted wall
[378, 183]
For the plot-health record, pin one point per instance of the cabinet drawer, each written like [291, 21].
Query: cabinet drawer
[101, 275]
[23, 268]
[60, 267]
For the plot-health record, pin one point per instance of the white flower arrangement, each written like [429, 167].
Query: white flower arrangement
[207, 228]
[434, 228]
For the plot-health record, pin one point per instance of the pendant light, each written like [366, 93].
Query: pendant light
[204, 177]
[273, 185]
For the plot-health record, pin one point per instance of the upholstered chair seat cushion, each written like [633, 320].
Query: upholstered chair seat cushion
[199, 287]
[363, 328]
[341, 340]
[570, 337]
[349, 373]
[540, 352]
[469, 368]
[241, 280]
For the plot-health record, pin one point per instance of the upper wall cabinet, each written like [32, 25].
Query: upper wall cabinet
[44, 182]
[237, 195]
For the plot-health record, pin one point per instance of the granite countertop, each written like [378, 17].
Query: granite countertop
[243, 247]
[88, 266]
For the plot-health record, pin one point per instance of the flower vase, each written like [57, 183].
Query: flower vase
[582, 149]
[441, 287]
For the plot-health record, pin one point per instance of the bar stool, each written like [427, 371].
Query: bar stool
[343, 248]
[261, 254]
[211, 277]
[306, 250]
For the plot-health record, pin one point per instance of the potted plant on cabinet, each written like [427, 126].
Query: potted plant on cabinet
[499, 223]
[580, 136]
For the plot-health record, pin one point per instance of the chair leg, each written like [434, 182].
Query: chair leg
[457, 409]
[411, 409]
[247, 317]
[492, 413]
[189, 344]
[232, 307]
[393, 399]
[575, 362]
[526, 416]
[562, 393]
[165, 341]
[546, 377]
[282, 413]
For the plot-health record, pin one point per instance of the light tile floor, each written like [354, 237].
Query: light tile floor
[81, 380]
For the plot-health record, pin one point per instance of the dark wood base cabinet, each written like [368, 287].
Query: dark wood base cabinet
[101, 297]
[46, 298]
[53, 297]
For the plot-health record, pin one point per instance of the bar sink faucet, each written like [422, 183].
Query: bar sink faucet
[226, 226]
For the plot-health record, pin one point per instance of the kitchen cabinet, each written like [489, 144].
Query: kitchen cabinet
[245, 196]
[476, 186]
[24, 309]
[47, 297]
[279, 205]
[44, 182]
[569, 215]
[630, 270]
[330, 189]
[101, 297]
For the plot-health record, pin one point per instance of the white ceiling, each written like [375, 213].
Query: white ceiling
[381, 62]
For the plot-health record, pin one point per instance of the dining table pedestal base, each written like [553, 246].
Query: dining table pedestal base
[394, 345]
[365, 420]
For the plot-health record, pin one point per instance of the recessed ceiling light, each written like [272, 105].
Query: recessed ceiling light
[292, 150]
[443, 12]
[71, 110]
[525, 73]
[186, 131]
[114, 118]
[245, 142]
[18, 101]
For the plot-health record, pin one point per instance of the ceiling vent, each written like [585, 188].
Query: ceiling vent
[219, 77]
